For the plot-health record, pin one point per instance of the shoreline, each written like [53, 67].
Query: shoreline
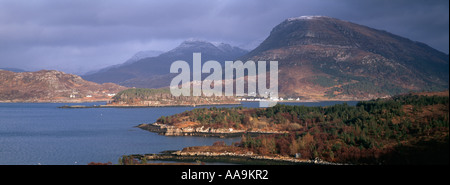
[185, 105]
[56, 101]
[228, 157]
[310, 101]
[166, 130]
[143, 106]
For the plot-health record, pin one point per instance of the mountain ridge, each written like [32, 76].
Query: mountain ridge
[322, 57]
[136, 57]
[153, 72]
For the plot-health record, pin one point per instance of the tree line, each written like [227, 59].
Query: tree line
[341, 133]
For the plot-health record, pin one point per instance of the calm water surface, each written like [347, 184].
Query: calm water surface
[42, 133]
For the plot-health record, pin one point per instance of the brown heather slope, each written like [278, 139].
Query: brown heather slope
[52, 86]
[326, 58]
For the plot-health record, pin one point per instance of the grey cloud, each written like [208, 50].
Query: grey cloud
[77, 36]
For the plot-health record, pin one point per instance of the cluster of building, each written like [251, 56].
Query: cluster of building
[76, 94]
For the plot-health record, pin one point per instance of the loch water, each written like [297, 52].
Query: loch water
[42, 133]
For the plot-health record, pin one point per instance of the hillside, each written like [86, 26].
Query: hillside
[154, 72]
[52, 86]
[327, 58]
[136, 57]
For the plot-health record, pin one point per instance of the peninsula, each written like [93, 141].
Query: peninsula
[405, 129]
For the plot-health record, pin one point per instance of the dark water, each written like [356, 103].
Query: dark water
[41, 133]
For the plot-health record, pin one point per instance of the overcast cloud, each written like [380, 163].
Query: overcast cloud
[79, 36]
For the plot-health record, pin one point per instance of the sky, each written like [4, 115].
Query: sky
[77, 36]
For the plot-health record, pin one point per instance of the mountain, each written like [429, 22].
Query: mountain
[136, 57]
[52, 86]
[153, 72]
[141, 55]
[326, 58]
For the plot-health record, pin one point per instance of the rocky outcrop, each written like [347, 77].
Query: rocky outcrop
[169, 130]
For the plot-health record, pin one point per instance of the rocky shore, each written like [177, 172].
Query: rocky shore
[229, 157]
[168, 130]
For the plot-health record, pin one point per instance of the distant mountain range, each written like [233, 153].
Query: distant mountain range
[136, 57]
[153, 72]
[327, 58]
[319, 58]
[52, 86]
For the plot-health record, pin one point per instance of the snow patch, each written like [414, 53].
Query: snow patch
[305, 17]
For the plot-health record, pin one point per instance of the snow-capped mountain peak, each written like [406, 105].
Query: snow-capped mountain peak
[305, 17]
